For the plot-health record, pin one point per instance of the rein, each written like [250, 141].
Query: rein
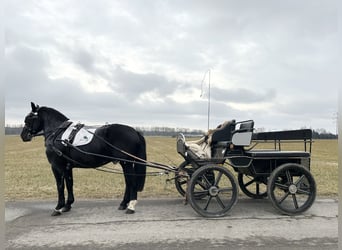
[164, 167]
[64, 125]
[147, 163]
[38, 134]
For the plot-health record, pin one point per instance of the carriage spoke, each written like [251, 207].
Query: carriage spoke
[219, 201]
[289, 177]
[281, 186]
[225, 190]
[284, 197]
[218, 179]
[207, 204]
[295, 201]
[249, 183]
[301, 191]
[207, 181]
[299, 180]
[201, 193]
[257, 188]
[202, 185]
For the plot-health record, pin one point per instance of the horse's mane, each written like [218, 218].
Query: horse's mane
[56, 114]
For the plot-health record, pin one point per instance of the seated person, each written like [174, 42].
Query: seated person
[202, 147]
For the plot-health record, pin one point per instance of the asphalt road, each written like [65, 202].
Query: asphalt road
[168, 224]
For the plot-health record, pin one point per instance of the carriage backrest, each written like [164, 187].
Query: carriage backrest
[243, 135]
[223, 132]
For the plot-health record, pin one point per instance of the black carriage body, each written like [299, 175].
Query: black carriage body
[249, 161]
[264, 162]
[284, 174]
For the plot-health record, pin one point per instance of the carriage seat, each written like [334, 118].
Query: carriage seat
[202, 148]
[243, 135]
[223, 132]
[238, 133]
[216, 141]
[193, 149]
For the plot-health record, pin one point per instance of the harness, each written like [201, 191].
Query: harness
[74, 131]
[134, 159]
[53, 135]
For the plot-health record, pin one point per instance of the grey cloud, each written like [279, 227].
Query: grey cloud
[84, 59]
[24, 71]
[242, 95]
[135, 84]
[280, 53]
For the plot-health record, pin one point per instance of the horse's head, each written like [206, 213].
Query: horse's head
[33, 124]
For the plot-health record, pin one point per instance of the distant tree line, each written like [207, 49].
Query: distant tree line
[13, 130]
[147, 131]
[173, 132]
[323, 134]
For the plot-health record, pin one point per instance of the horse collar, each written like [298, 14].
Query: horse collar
[58, 130]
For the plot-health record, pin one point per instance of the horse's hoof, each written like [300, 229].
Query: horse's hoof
[56, 212]
[66, 209]
[129, 211]
[122, 207]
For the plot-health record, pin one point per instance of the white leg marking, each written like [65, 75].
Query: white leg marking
[132, 204]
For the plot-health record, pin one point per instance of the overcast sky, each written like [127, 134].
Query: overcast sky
[142, 62]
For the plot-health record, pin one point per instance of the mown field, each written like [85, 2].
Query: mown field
[28, 174]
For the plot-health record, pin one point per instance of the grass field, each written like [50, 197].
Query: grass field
[28, 174]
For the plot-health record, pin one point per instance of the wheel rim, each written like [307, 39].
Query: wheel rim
[292, 189]
[254, 187]
[181, 182]
[218, 194]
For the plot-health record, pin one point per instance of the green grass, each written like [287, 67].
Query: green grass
[28, 174]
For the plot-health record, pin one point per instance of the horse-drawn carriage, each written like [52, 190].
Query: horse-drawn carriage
[203, 178]
[282, 176]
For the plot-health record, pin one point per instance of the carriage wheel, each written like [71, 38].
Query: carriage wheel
[291, 188]
[254, 187]
[182, 181]
[219, 195]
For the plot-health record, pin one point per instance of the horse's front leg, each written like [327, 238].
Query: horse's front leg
[58, 173]
[69, 185]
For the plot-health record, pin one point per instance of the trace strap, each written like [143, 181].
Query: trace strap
[147, 163]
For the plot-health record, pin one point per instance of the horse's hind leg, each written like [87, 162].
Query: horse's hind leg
[125, 201]
[130, 197]
[126, 198]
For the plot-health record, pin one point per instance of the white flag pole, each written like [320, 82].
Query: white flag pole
[208, 71]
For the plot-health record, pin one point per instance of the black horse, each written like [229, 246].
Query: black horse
[118, 143]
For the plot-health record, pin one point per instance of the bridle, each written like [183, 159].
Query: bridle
[34, 128]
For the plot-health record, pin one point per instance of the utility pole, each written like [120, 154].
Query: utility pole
[335, 120]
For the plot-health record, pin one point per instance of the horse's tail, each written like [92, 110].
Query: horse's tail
[140, 169]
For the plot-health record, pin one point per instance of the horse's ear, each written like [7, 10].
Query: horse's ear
[34, 107]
